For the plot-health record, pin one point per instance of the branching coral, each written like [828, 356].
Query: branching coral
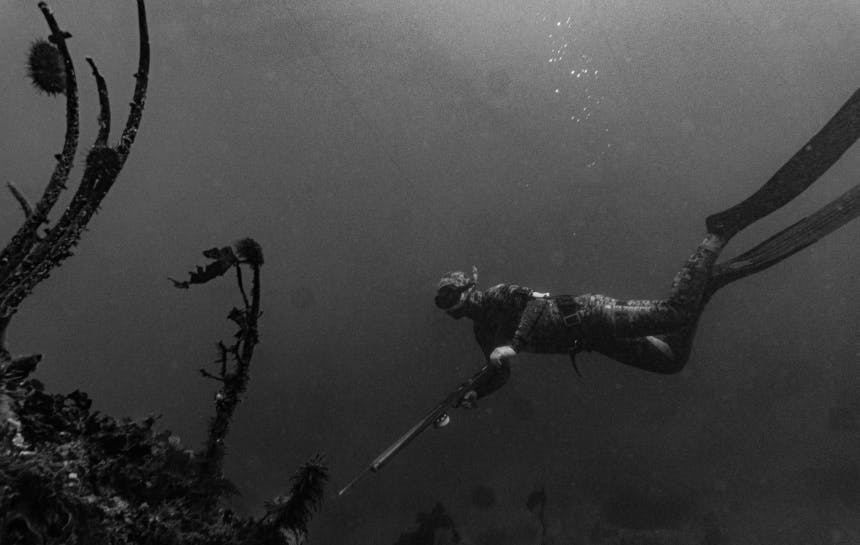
[72, 475]
[31, 255]
[234, 359]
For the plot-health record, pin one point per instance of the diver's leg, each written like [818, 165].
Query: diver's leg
[688, 286]
[655, 335]
[638, 333]
[613, 319]
[804, 168]
[664, 354]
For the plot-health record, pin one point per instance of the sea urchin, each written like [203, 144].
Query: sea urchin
[45, 68]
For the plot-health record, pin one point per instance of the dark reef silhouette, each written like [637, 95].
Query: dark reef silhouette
[69, 474]
[429, 525]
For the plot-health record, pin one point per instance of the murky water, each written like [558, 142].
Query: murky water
[370, 147]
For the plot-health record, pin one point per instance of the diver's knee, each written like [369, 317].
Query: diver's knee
[670, 362]
[661, 346]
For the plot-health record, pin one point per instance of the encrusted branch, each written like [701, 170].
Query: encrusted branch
[234, 359]
[235, 381]
[4, 351]
[242, 286]
[104, 105]
[142, 77]
[26, 236]
[22, 200]
[29, 259]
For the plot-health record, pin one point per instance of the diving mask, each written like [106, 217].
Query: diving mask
[454, 289]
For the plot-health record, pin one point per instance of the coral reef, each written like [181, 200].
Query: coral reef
[624, 514]
[72, 475]
[69, 474]
[31, 255]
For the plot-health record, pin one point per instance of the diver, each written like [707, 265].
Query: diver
[653, 335]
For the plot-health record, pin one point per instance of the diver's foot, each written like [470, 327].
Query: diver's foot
[714, 243]
[442, 421]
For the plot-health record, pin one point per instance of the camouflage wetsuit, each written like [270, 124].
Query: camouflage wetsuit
[508, 314]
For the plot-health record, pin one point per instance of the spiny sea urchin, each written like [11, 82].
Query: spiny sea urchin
[45, 68]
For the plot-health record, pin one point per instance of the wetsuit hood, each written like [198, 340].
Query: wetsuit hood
[454, 289]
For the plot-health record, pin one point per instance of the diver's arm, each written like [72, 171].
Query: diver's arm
[494, 380]
[502, 353]
[512, 298]
[508, 348]
[528, 321]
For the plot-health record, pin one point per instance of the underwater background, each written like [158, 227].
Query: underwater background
[371, 146]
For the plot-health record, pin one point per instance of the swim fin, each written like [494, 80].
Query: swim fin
[789, 241]
[804, 168]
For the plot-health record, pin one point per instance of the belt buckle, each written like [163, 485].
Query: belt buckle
[573, 320]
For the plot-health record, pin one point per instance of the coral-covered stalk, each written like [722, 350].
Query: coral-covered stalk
[29, 257]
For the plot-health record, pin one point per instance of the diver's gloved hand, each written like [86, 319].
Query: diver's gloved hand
[502, 353]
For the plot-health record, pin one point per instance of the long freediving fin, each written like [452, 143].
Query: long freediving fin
[804, 168]
[451, 401]
[789, 241]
